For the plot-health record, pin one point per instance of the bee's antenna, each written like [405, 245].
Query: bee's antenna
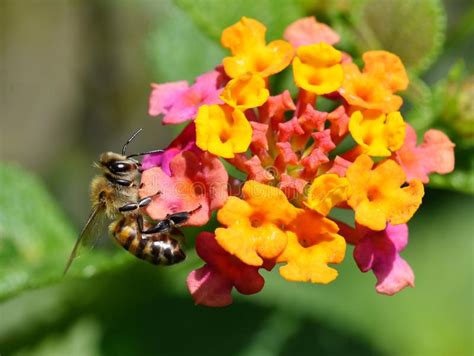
[144, 153]
[124, 148]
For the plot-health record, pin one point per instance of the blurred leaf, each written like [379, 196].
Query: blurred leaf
[412, 29]
[460, 180]
[461, 31]
[81, 339]
[272, 336]
[421, 116]
[35, 237]
[178, 50]
[213, 16]
[33, 232]
[453, 103]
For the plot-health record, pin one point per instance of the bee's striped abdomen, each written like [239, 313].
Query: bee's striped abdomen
[159, 249]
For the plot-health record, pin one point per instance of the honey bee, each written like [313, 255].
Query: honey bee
[114, 196]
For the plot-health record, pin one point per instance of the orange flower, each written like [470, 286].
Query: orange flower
[377, 196]
[312, 244]
[251, 54]
[245, 92]
[383, 75]
[386, 67]
[255, 225]
[264, 225]
[317, 68]
[367, 91]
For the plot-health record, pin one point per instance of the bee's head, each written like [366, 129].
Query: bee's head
[117, 164]
[122, 165]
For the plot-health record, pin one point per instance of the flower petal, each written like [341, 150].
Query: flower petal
[163, 96]
[326, 192]
[377, 196]
[367, 92]
[317, 68]
[311, 247]
[253, 229]
[246, 279]
[246, 41]
[197, 179]
[312, 119]
[379, 251]
[208, 287]
[245, 92]
[378, 134]
[435, 154]
[308, 31]
[222, 130]
[387, 67]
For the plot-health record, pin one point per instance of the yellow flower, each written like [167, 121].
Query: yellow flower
[378, 134]
[317, 68]
[222, 130]
[313, 242]
[327, 191]
[255, 226]
[245, 92]
[377, 196]
[250, 53]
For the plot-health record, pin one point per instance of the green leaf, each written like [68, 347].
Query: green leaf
[81, 339]
[460, 180]
[422, 115]
[177, 49]
[35, 237]
[213, 16]
[412, 29]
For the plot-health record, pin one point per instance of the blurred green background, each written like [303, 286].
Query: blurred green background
[75, 81]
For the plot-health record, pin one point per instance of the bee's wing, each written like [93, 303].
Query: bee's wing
[89, 234]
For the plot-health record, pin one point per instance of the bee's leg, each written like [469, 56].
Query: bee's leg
[180, 218]
[140, 204]
[171, 221]
[161, 227]
[140, 223]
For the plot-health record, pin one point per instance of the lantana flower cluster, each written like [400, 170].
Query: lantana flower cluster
[299, 162]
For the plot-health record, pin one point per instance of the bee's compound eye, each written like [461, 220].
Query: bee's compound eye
[120, 167]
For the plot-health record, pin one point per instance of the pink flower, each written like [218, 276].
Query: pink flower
[259, 137]
[287, 155]
[186, 141]
[312, 162]
[435, 154]
[288, 129]
[291, 186]
[253, 167]
[339, 166]
[179, 103]
[275, 108]
[323, 140]
[312, 119]
[379, 251]
[211, 285]
[308, 31]
[339, 122]
[196, 179]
